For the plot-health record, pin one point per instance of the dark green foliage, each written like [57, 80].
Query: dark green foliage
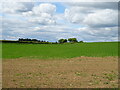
[62, 40]
[80, 41]
[72, 40]
[21, 40]
[9, 41]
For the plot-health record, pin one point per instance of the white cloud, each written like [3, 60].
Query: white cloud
[96, 14]
[41, 14]
[44, 8]
[29, 13]
[102, 18]
[53, 28]
[74, 14]
[42, 20]
[16, 7]
[98, 34]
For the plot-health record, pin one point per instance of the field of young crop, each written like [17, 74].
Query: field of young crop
[47, 51]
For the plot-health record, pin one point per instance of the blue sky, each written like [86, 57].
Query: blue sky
[90, 22]
[60, 7]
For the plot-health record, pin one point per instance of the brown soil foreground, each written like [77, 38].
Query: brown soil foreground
[81, 72]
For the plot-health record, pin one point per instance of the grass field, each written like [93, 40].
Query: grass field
[47, 51]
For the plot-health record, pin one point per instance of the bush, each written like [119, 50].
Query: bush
[72, 40]
[62, 40]
[80, 41]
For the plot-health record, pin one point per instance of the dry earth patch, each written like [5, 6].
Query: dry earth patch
[80, 72]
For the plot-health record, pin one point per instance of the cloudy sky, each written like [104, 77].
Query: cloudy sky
[87, 21]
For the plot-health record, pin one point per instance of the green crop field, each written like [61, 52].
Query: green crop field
[50, 51]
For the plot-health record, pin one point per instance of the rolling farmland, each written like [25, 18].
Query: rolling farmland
[78, 65]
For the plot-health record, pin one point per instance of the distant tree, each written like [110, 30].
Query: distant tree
[62, 40]
[34, 40]
[20, 39]
[72, 40]
[80, 41]
[65, 40]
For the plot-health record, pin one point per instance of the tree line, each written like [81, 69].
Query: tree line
[71, 40]
[28, 40]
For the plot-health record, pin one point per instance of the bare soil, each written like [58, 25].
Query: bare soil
[81, 72]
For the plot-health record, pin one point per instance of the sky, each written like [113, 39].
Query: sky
[51, 21]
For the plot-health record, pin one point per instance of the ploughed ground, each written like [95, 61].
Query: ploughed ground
[81, 72]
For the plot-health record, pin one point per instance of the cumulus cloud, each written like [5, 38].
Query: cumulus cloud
[41, 14]
[93, 14]
[102, 18]
[16, 7]
[74, 15]
[44, 8]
